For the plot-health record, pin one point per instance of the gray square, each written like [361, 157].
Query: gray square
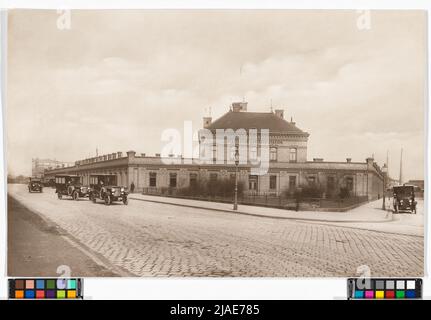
[390, 284]
[380, 284]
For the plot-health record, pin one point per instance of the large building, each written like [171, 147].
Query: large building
[288, 169]
[38, 166]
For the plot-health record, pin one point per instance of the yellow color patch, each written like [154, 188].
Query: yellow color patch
[380, 294]
[71, 294]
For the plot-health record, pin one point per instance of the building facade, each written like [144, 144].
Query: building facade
[38, 166]
[288, 167]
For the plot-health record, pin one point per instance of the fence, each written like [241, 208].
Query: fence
[267, 200]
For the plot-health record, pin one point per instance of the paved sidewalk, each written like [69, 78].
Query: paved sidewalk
[369, 212]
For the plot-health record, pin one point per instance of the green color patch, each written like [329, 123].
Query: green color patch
[61, 294]
[50, 284]
[400, 294]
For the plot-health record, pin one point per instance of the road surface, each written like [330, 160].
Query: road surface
[153, 239]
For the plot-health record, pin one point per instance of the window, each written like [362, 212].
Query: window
[214, 152]
[272, 154]
[292, 154]
[253, 153]
[330, 184]
[311, 181]
[153, 179]
[252, 183]
[213, 177]
[292, 182]
[349, 183]
[273, 182]
[193, 179]
[173, 180]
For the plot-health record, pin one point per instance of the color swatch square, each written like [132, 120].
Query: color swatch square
[19, 294]
[40, 294]
[401, 284]
[50, 294]
[71, 284]
[29, 284]
[369, 294]
[390, 284]
[29, 294]
[19, 284]
[50, 284]
[410, 294]
[400, 294]
[61, 283]
[61, 294]
[380, 294]
[40, 284]
[411, 285]
[71, 294]
[390, 294]
[359, 294]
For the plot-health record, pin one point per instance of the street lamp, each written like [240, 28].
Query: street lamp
[235, 204]
[384, 171]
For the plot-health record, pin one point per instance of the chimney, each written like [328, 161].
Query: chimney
[349, 160]
[119, 154]
[279, 113]
[158, 155]
[131, 154]
[207, 122]
[239, 106]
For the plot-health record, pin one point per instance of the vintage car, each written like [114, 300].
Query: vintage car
[404, 198]
[35, 185]
[70, 185]
[104, 187]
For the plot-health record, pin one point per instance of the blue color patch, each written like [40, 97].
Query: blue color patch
[410, 294]
[359, 294]
[29, 294]
[40, 284]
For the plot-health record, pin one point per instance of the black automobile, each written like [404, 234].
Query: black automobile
[35, 185]
[71, 186]
[104, 187]
[404, 198]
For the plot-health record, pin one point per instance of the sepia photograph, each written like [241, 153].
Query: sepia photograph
[215, 143]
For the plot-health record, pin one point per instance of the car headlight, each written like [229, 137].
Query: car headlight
[122, 189]
[410, 201]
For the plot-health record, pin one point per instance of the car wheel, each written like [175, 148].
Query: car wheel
[125, 201]
[59, 195]
[41, 190]
[75, 196]
[107, 200]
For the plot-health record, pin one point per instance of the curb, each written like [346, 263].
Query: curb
[259, 215]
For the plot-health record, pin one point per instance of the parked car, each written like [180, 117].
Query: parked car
[404, 198]
[35, 185]
[71, 186]
[104, 187]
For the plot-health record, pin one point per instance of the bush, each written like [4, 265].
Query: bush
[218, 188]
[344, 193]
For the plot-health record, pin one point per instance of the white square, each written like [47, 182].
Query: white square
[411, 284]
[400, 284]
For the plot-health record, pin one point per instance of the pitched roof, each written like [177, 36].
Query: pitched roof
[255, 120]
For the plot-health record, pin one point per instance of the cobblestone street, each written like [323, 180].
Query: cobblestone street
[153, 239]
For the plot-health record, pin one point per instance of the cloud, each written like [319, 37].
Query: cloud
[117, 79]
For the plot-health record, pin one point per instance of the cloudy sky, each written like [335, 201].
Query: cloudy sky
[116, 79]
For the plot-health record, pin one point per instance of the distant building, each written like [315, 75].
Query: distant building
[39, 166]
[418, 183]
[288, 164]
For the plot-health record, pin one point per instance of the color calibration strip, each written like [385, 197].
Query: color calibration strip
[367, 288]
[45, 288]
